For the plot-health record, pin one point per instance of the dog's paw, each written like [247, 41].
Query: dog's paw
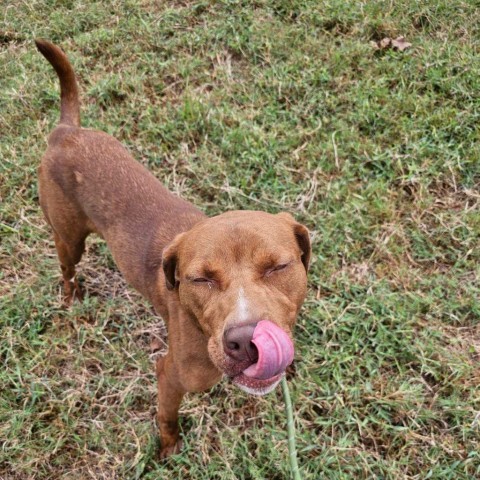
[169, 450]
[72, 292]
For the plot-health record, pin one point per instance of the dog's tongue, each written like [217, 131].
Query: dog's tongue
[275, 351]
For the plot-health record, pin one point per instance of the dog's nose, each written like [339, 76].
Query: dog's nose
[237, 343]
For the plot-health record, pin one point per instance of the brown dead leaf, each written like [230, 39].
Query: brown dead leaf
[384, 43]
[398, 43]
[156, 345]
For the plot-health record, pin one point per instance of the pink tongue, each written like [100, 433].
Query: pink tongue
[275, 351]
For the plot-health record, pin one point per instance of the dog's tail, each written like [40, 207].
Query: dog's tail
[70, 102]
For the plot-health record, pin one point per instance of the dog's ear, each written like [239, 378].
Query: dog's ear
[169, 262]
[303, 240]
[302, 236]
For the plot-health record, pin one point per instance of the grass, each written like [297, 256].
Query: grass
[272, 105]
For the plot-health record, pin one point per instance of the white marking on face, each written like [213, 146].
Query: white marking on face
[242, 311]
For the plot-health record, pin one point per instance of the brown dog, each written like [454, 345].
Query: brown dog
[229, 287]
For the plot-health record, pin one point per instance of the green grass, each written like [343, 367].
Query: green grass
[274, 105]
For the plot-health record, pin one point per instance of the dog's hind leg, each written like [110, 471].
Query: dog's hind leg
[70, 229]
[69, 255]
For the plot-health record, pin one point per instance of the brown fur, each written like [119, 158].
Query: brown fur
[189, 266]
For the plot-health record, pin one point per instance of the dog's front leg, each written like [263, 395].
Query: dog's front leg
[170, 394]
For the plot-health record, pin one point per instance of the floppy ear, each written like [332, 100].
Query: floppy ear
[303, 240]
[302, 236]
[169, 262]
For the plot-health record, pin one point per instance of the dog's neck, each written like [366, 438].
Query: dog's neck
[154, 279]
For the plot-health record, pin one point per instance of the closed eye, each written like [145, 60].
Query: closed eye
[203, 281]
[277, 268]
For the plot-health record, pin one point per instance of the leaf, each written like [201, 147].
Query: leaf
[156, 345]
[385, 43]
[400, 44]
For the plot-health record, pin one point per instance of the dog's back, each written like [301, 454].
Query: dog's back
[88, 182]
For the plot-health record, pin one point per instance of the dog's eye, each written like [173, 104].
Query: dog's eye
[277, 268]
[203, 280]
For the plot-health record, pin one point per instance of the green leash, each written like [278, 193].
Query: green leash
[292, 449]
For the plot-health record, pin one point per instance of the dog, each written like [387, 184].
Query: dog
[229, 287]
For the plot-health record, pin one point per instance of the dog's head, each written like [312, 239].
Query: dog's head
[242, 277]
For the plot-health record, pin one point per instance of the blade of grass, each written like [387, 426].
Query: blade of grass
[292, 449]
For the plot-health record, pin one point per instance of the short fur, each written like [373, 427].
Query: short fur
[190, 267]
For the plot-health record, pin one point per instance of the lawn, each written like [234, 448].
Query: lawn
[280, 106]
